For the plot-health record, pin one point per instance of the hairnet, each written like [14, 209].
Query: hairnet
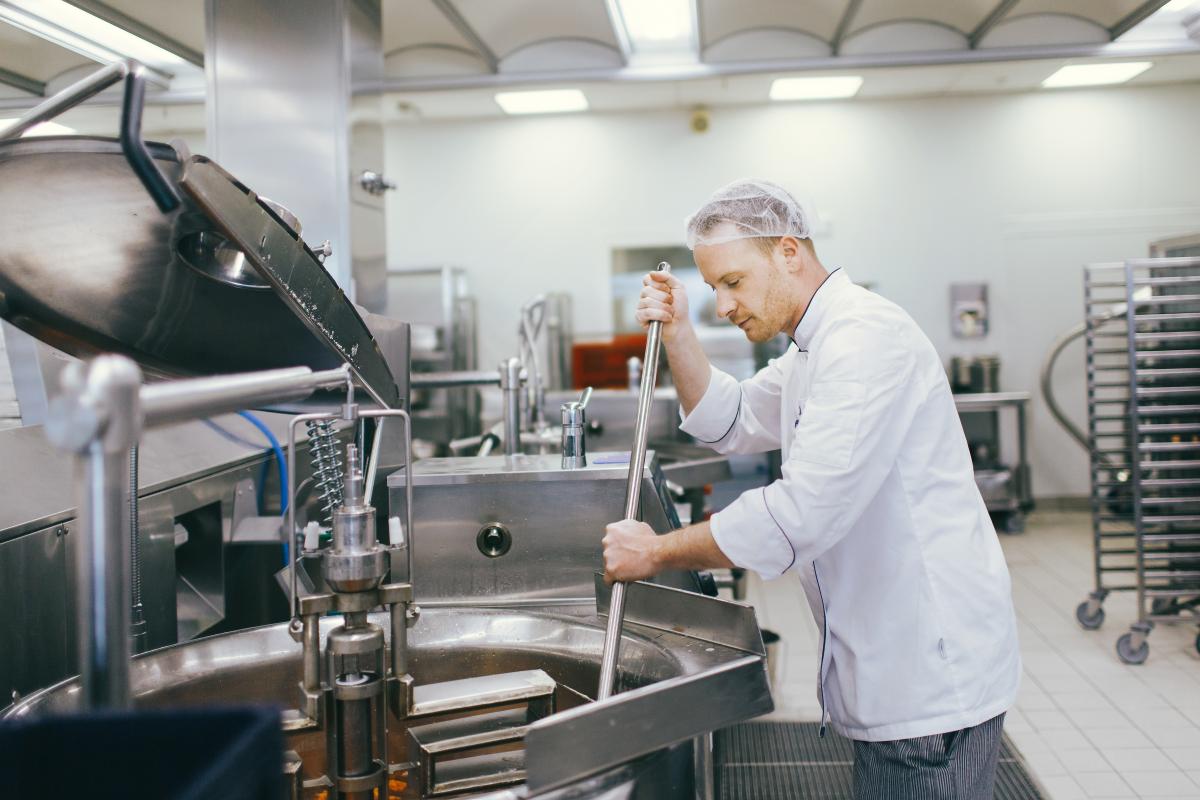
[747, 209]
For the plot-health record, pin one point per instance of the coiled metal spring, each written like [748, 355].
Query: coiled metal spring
[326, 463]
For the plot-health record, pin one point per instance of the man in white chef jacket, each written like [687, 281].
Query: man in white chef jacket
[877, 511]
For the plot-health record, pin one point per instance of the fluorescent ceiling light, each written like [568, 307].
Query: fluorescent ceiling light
[41, 129]
[543, 101]
[657, 25]
[819, 88]
[90, 36]
[1096, 74]
[1176, 6]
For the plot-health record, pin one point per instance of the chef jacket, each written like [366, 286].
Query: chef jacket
[878, 512]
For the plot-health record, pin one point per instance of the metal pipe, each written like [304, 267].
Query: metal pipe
[510, 385]
[633, 498]
[312, 655]
[454, 379]
[67, 99]
[97, 418]
[137, 616]
[177, 401]
[1048, 389]
[408, 477]
[102, 575]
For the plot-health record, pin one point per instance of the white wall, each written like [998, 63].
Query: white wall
[1015, 190]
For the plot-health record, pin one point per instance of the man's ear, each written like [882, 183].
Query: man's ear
[790, 247]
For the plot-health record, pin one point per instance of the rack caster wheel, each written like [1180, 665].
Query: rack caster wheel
[1198, 642]
[1089, 622]
[1128, 653]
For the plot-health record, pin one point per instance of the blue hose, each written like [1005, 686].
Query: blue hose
[283, 475]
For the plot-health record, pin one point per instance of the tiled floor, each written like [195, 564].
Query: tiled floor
[1088, 725]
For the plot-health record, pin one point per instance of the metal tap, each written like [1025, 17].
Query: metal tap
[574, 431]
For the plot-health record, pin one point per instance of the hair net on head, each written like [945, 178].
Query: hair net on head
[747, 209]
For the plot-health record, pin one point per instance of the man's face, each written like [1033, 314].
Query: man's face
[750, 285]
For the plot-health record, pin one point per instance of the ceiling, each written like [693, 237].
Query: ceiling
[902, 47]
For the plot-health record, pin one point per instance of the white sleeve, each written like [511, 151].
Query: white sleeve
[735, 417]
[865, 396]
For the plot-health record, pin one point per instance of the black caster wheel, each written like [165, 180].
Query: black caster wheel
[1198, 642]
[1128, 654]
[1089, 622]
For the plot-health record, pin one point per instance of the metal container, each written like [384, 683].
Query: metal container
[263, 665]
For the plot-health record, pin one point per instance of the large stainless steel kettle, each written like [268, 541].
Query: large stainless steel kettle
[119, 245]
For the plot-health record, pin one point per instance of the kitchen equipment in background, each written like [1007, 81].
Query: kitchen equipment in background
[974, 374]
[1005, 487]
[1143, 437]
[969, 310]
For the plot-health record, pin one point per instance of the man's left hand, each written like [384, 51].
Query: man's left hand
[630, 552]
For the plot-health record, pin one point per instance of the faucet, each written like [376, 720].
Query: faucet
[574, 430]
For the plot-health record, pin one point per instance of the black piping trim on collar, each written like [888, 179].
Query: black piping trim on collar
[781, 530]
[809, 306]
[737, 415]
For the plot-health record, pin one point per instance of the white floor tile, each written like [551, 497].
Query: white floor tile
[1138, 759]
[1162, 784]
[1104, 784]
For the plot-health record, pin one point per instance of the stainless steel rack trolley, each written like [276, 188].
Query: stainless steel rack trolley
[1143, 389]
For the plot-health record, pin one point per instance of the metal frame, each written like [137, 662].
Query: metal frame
[843, 26]
[1133, 18]
[139, 29]
[455, 18]
[1143, 381]
[994, 18]
[22, 82]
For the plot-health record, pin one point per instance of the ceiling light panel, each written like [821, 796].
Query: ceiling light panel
[1096, 74]
[827, 87]
[543, 101]
[657, 26]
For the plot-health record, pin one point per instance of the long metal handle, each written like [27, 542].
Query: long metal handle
[140, 161]
[633, 502]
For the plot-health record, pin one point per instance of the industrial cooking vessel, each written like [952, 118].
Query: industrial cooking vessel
[115, 245]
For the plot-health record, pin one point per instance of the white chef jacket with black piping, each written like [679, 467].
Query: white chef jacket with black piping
[878, 512]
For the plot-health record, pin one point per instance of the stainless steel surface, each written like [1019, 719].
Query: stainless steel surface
[662, 714]
[106, 395]
[175, 401]
[265, 665]
[555, 517]
[486, 690]
[727, 623]
[574, 431]
[448, 380]
[283, 259]
[88, 264]
[510, 386]
[190, 475]
[37, 625]
[137, 610]
[295, 147]
[989, 400]
[633, 488]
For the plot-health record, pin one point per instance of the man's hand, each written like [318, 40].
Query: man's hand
[664, 300]
[630, 552]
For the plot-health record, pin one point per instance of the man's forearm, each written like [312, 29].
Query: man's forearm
[690, 369]
[692, 547]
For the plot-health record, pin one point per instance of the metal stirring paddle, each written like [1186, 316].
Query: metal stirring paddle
[633, 498]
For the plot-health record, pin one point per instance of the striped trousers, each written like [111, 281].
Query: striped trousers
[946, 766]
